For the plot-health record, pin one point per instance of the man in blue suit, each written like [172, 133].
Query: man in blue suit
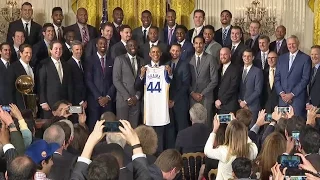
[169, 30]
[250, 86]
[187, 49]
[292, 77]
[98, 78]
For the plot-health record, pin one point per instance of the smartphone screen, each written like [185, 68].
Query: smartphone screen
[295, 136]
[6, 108]
[75, 109]
[112, 126]
[224, 118]
[283, 109]
[268, 117]
[290, 161]
[298, 177]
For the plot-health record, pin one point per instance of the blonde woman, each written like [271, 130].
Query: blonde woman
[236, 144]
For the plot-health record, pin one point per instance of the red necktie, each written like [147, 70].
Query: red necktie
[102, 65]
[85, 37]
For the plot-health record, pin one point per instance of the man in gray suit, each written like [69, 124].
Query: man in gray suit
[125, 69]
[204, 77]
[250, 86]
[211, 47]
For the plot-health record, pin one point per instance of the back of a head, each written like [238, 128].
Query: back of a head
[198, 113]
[66, 130]
[241, 167]
[114, 149]
[168, 160]
[148, 139]
[71, 126]
[80, 138]
[245, 116]
[104, 167]
[281, 126]
[295, 123]
[21, 167]
[54, 134]
[108, 116]
[310, 140]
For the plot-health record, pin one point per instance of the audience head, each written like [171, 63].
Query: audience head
[57, 16]
[18, 38]
[59, 107]
[281, 126]
[293, 43]
[113, 137]
[107, 30]
[67, 128]
[247, 57]
[48, 32]
[41, 153]
[69, 36]
[55, 134]
[309, 141]
[5, 51]
[175, 51]
[264, 42]
[146, 18]
[56, 49]
[272, 59]
[21, 167]
[208, 33]
[181, 32]
[101, 45]
[108, 116]
[82, 16]
[198, 17]
[117, 15]
[26, 11]
[132, 47]
[104, 166]
[155, 54]
[198, 44]
[254, 28]
[114, 149]
[315, 54]
[148, 139]
[170, 163]
[236, 34]
[241, 168]
[80, 137]
[198, 113]
[225, 55]
[225, 17]
[295, 123]
[280, 32]
[77, 49]
[245, 116]
[220, 135]
[171, 17]
[25, 53]
[125, 32]
[153, 34]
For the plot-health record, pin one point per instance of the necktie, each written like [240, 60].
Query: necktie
[251, 43]
[27, 29]
[291, 61]
[7, 64]
[170, 36]
[108, 43]
[224, 36]
[233, 49]
[278, 46]
[271, 77]
[314, 74]
[244, 74]
[18, 54]
[49, 51]
[195, 33]
[198, 63]
[133, 64]
[85, 37]
[59, 33]
[59, 69]
[29, 72]
[263, 60]
[80, 65]
[144, 36]
[102, 65]
[173, 67]
[118, 28]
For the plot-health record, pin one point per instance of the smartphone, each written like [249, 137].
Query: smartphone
[289, 161]
[295, 136]
[283, 109]
[112, 126]
[268, 117]
[224, 118]
[6, 108]
[297, 177]
[75, 109]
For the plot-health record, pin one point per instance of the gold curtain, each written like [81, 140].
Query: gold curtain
[129, 9]
[315, 7]
[183, 10]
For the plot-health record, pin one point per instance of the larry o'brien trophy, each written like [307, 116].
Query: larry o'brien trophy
[24, 84]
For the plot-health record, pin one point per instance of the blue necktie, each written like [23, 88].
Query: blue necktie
[173, 66]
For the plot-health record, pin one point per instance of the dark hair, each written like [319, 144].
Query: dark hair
[124, 26]
[249, 50]
[68, 31]
[171, 10]
[200, 37]
[245, 116]
[155, 28]
[14, 34]
[209, 27]
[56, 9]
[257, 22]
[23, 46]
[26, 4]
[22, 167]
[46, 25]
[79, 138]
[226, 11]
[295, 123]
[55, 42]
[104, 25]
[310, 140]
[264, 37]
[67, 130]
[241, 167]
[176, 44]
[117, 9]
[236, 27]
[104, 166]
[182, 27]
[3, 44]
[315, 46]
[39, 166]
[147, 11]
[168, 160]
[58, 103]
[199, 11]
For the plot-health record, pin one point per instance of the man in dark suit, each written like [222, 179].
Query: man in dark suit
[140, 34]
[211, 46]
[280, 44]
[222, 35]
[125, 70]
[153, 37]
[250, 86]
[79, 96]
[18, 39]
[227, 93]
[106, 32]
[117, 15]
[260, 59]
[98, 78]
[55, 80]
[269, 96]
[26, 24]
[253, 42]
[57, 18]
[292, 77]
[169, 31]
[237, 47]
[5, 52]
[120, 47]
[194, 138]
[83, 31]
[66, 46]
[204, 78]
[187, 49]
[314, 85]
[17, 69]
[198, 19]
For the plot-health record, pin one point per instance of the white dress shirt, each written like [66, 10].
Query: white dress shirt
[4, 62]
[153, 43]
[235, 45]
[27, 68]
[135, 64]
[56, 30]
[182, 42]
[225, 67]
[57, 63]
[147, 28]
[24, 25]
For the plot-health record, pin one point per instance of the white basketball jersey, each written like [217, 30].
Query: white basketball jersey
[156, 97]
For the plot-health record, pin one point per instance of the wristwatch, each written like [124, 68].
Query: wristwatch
[12, 125]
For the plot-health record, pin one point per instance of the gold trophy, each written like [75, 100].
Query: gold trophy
[25, 84]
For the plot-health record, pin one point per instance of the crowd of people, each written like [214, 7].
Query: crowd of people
[266, 92]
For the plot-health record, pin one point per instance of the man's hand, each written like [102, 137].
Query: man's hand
[289, 97]
[84, 105]
[15, 112]
[308, 106]
[306, 165]
[5, 117]
[128, 133]
[171, 104]
[143, 71]
[45, 107]
[242, 104]
[261, 118]
[217, 103]
[196, 96]
[103, 101]
[4, 135]
[169, 70]
[311, 116]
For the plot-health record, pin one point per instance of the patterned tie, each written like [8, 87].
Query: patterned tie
[271, 77]
[233, 49]
[7, 64]
[278, 46]
[170, 35]
[27, 29]
[80, 65]
[263, 60]
[224, 36]
[244, 74]
[59, 33]
[314, 74]
[85, 37]
[144, 36]
[103, 65]
[291, 61]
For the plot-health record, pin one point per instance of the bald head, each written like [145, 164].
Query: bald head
[22, 167]
[82, 16]
[280, 32]
[225, 55]
[54, 134]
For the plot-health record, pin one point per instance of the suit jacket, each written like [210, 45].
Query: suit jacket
[283, 48]
[228, 91]
[255, 46]
[192, 139]
[190, 33]
[145, 49]
[66, 53]
[166, 37]
[62, 166]
[187, 51]
[269, 97]
[117, 50]
[34, 35]
[214, 49]
[236, 57]
[258, 61]
[206, 79]
[3, 85]
[116, 35]
[294, 80]
[123, 77]
[63, 33]
[143, 171]
[251, 88]
[137, 34]
[39, 54]
[314, 160]
[75, 27]
[91, 47]
[218, 37]
[314, 88]
[50, 88]
[125, 174]
[80, 171]
[14, 55]
[79, 88]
